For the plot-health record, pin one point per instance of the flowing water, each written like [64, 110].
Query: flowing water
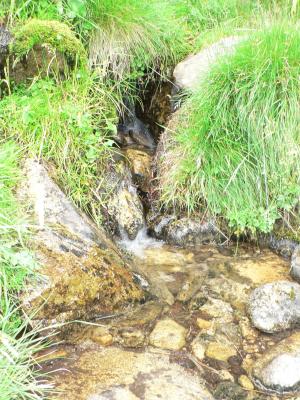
[201, 295]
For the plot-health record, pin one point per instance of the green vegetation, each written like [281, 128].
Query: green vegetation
[53, 34]
[234, 150]
[17, 346]
[239, 136]
[69, 124]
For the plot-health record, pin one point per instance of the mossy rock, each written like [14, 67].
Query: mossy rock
[54, 35]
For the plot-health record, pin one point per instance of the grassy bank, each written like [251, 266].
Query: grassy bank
[236, 147]
[17, 345]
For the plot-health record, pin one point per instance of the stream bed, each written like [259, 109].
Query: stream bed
[192, 340]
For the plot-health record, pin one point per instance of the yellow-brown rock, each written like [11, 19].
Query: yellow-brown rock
[82, 272]
[140, 165]
[219, 351]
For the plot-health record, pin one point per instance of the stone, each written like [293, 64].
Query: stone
[229, 391]
[82, 273]
[186, 231]
[218, 309]
[295, 264]
[225, 375]
[113, 373]
[5, 39]
[168, 334]
[219, 351]
[203, 324]
[104, 340]
[245, 382]
[278, 369]
[198, 348]
[133, 338]
[190, 72]
[275, 307]
[123, 210]
[140, 165]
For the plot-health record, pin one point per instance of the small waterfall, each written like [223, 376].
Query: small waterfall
[142, 242]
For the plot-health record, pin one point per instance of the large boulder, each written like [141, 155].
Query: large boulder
[97, 373]
[275, 307]
[278, 370]
[82, 274]
[189, 73]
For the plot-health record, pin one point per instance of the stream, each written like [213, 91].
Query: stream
[193, 339]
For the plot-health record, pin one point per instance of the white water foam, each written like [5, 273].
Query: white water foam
[142, 242]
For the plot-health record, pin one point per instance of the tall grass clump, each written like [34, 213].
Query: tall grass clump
[68, 124]
[134, 36]
[235, 150]
[18, 377]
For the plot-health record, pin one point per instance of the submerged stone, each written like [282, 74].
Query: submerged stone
[278, 369]
[275, 307]
[168, 334]
[112, 373]
[82, 273]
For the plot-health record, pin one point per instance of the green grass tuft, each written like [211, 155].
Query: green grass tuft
[18, 378]
[236, 147]
[68, 124]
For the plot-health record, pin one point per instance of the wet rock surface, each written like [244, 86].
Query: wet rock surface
[123, 206]
[295, 264]
[275, 306]
[168, 335]
[189, 73]
[114, 374]
[83, 274]
[216, 344]
[184, 231]
[140, 165]
[278, 369]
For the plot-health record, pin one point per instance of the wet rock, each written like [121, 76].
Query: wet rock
[189, 73]
[219, 310]
[198, 348]
[124, 206]
[282, 246]
[229, 391]
[245, 382]
[220, 351]
[204, 325]
[5, 40]
[295, 264]
[278, 369]
[134, 133]
[275, 307]
[168, 334]
[116, 374]
[191, 286]
[184, 231]
[133, 338]
[140, 165]
[82, 272]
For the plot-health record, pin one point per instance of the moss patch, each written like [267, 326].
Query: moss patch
[53, 34]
